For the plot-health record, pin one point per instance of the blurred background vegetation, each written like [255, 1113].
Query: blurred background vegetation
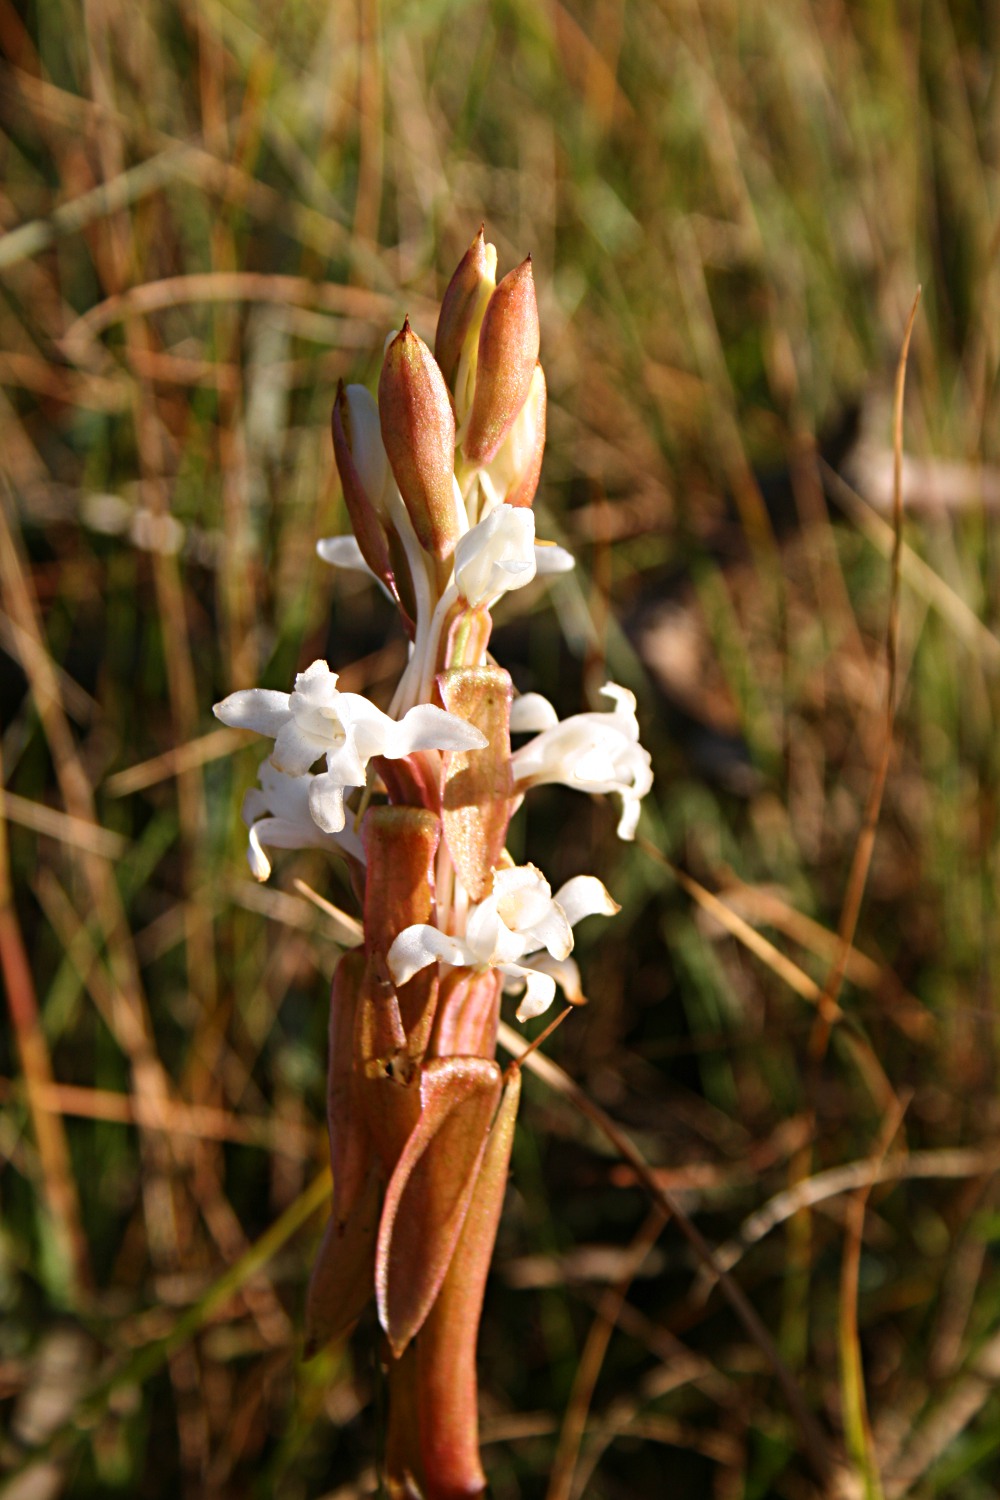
[211, 210]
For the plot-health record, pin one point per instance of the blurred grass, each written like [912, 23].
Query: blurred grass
[212, 211]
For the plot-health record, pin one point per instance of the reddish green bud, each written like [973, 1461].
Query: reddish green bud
[508, 354]
[361, 464]
[418, 430]
[463, 306]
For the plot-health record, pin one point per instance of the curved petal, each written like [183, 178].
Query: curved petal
[427, 727]
[629, 820]
[531, 713]
[585, 896]
[260, 865]
[566, 974]
[553, 931]
[550, 558]
[326, 803]
[259, 709]
[539, 993]
[294, 752]
[420, 945]
[343, 552]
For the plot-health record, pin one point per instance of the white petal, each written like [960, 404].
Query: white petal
[585, 896]
[482, 931]
[496, 555]
[259, 862]
[539, 994]
[629, 820]
[550, 559]
[566, 974]
[343, 552]
[258, 709]
[317, 685]
[530, 713]
[427, 727]
[294, 752]
[326, 803]
[553, 932]
[420, 945]
[624, 700]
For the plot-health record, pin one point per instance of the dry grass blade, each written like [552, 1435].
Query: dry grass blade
[589, 1367]
[945, 1424]
[60, 1190]
[816, 1447]
[778, 962]
[921, 577]
[172, 1117]
[857, 1428]
[198, 752]
[810, 1191]
[225, 286]
[137, 182]
[79, 832]
[861, 862]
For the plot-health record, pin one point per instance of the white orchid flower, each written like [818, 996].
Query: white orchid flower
[343, 552]
[520, 918]
[594, 752]
[277, 815]
[315, 721]
[496, 556]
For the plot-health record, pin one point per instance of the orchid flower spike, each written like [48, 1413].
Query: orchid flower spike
[277, 815]
[519, 918]
[594, 752]
[316, 721]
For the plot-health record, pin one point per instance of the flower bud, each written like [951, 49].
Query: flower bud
[515, 471]
[418, 430]
[461, 314]
[362, 465]
[508, 353]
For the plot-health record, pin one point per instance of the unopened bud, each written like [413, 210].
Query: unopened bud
[461, 315]
[363, 466]
[418, 430]
[508, 354]
[515, 471]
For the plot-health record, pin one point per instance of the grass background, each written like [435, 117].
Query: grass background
[211, 211]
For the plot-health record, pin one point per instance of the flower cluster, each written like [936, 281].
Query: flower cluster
[438, 474]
